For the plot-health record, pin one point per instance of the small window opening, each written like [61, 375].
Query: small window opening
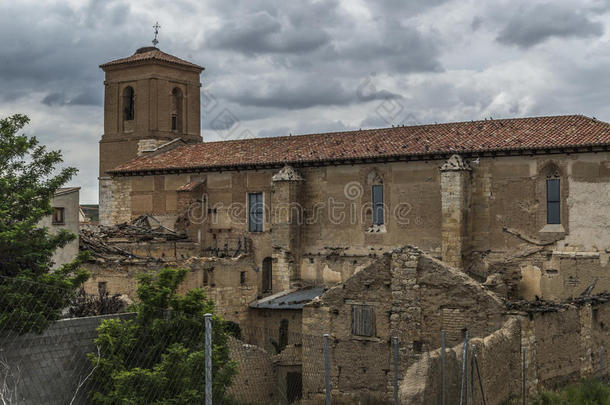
[242, 278]
[58, 216]
[102, 288]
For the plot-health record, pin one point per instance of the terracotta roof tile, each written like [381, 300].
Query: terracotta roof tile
[150, 54]
[461, 137]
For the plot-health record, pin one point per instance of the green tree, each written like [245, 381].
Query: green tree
[31, 294]
[158, 357]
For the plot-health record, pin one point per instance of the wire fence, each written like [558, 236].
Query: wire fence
[162, 356]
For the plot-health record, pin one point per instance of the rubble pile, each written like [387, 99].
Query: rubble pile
[101, 241]
[541, 305]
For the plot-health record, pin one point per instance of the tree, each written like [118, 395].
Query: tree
[158, 357]
[31, 294]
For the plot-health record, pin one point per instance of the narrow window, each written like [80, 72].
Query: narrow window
[128, 103]
[102, 288]
[363, 320]
[255, 212]
[377, 205]
[174, 123]
[242, 278]
[58, 216]
[267, 275]
[553, 202]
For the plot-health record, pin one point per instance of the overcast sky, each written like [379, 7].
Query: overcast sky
[275, 67]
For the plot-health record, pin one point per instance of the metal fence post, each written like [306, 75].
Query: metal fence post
[395, 344]
[601, 363]
[327, 367]
[464, 386]
[472, 385]
[524, 371]
[208, 359]
[443, 337]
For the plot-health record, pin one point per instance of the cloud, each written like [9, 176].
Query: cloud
[535, 24]
[276, 67]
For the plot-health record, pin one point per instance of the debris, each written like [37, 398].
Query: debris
[541, 305]
[101, 241]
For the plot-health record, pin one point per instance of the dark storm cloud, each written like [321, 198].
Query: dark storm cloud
[535, 24]
[304, 92]
[263, 33]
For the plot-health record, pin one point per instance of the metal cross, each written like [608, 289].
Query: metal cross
[156, 27]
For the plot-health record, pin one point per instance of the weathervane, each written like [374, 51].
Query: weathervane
[156, 27]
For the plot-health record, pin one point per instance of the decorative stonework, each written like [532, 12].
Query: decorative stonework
[287, 173]
[455, 163]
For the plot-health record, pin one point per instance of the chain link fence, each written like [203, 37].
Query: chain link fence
[170, 356]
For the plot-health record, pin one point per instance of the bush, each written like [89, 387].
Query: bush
[589, 392]
[92, 305]
[158, 357]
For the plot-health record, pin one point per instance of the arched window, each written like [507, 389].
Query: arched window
[128, 103]
[176, 110]
[267, 275]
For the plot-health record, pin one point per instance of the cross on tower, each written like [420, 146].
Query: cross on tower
[156, 27]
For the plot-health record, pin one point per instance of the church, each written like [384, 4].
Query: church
[515, 207]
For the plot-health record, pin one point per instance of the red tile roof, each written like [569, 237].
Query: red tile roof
[474, 137]
[150, 54]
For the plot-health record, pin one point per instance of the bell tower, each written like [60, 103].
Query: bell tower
[150, 98]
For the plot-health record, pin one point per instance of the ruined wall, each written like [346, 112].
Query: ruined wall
[561, 347]
[220, 278]
[256, 380]
[414, 296]
[263, 328]
[499, 363]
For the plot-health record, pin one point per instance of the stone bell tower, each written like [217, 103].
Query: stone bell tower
[150, 98]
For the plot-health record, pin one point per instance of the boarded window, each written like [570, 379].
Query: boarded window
[267, 275]
[378, 205]
[363, 320]
[58, 216]
[255, 212]
[553, 202]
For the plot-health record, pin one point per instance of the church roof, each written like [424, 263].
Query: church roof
[434, 141]
[150, 53]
